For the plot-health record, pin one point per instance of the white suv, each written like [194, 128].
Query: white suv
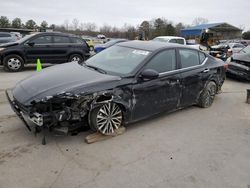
[170, 39]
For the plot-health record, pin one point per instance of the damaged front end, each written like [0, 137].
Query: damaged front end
[63, 113]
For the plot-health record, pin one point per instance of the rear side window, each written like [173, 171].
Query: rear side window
[42, 40]
[173, 41]
[163, 62]
[76, 40]
[61, 39]
[180, 41]
[189, 58]
[5, 35]
[202, 57]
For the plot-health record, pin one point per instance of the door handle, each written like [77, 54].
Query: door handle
[173, 82]
[206, 70]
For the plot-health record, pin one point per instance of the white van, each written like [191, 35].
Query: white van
[170, 39]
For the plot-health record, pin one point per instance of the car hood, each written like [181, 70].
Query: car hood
[241, 57]
[9, 44]
[100, 46]
[68, 77]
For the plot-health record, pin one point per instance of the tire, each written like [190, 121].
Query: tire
[13, 63]
[76, 58]
[207, 96]
[106, 119]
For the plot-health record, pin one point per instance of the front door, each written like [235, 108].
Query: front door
[40, 48]
[61, 46]
[160, 94]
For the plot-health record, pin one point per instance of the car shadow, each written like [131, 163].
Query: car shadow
[236, 78]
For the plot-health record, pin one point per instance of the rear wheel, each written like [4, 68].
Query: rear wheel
[106, 118]
[13, 63]
[76, 58]
[207, 96]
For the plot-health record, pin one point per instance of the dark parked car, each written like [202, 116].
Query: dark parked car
[6, 37]
[101, 47]
[125, 83]
[239, 65]
[50, 47]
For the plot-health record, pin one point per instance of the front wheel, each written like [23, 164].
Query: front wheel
[13, 63]
[76, 58]
[207, 96]
[106, 118]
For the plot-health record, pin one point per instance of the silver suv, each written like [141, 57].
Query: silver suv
[7, 37]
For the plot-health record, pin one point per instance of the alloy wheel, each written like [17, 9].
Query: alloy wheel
[210, 96]
[109, 118]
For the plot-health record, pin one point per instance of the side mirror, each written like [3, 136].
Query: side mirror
[149, 74]
[31, 43]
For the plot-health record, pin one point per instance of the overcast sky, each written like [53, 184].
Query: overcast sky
[116, 13]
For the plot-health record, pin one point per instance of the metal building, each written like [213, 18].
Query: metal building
[213, 31]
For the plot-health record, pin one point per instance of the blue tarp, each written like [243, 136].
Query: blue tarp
[197, 30]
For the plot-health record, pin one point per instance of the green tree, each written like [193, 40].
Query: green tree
[146, 29]
[159, 25]
[178, 28]
[17, 23]
[52, 26]
[246, 35]
[44, 24]
[4, 22]
[30, 24]
[170, 30]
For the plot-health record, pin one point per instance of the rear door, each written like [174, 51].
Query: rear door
[61, 46]
[79, 46]
[160, 94]
[193, 75]
[41, 48]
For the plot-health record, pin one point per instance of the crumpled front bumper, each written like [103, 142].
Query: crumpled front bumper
[26, 117]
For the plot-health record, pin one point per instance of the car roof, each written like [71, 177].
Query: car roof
[169, 37]
[150, 45]
[57, 33]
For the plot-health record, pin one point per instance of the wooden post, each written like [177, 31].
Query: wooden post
[96, 137]
[248, 96]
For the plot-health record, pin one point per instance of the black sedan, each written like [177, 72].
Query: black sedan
[239, 66]
[125, 83]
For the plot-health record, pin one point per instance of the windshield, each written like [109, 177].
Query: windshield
[246, 49]
[118, 60]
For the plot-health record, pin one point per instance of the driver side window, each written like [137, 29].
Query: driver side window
[163, 62]
[43, 40]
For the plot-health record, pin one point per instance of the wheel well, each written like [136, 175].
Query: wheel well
[14, 53]
[75, 53]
